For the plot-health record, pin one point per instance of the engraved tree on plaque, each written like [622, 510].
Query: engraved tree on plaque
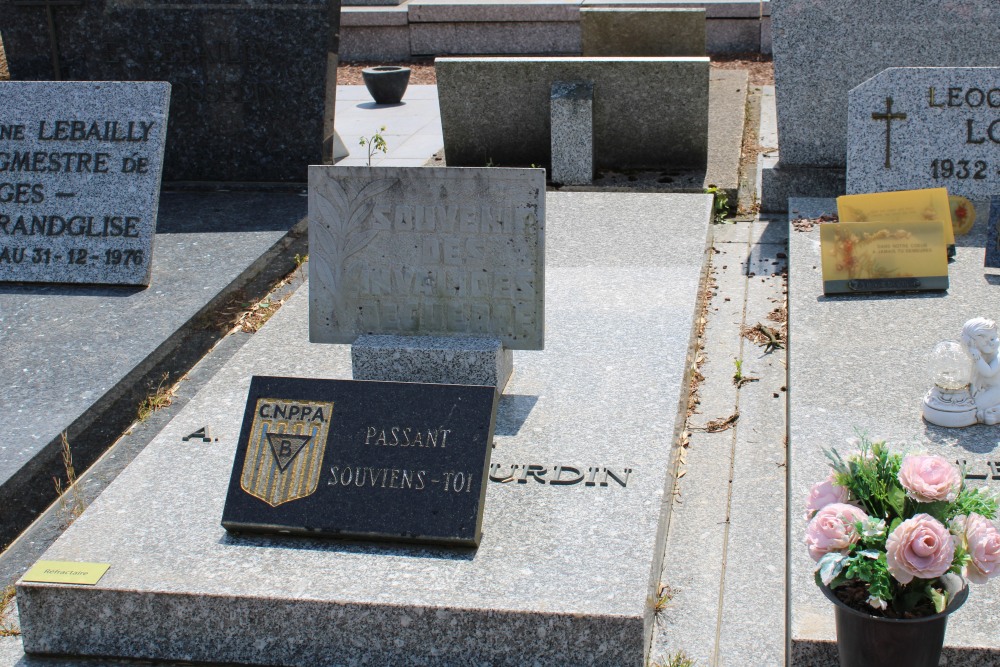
[341, 232]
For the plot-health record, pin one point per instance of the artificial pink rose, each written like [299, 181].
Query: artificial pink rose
[983, 544]
[833, 529]
[920, 547]
[823, 493]
[928, 479]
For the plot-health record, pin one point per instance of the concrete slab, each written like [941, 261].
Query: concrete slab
[631, 31]
[479, 11]
[714, 9]
[412, 128]
[214, 597]
[727, 99]
[840, 381]
[373, 16]
[726, 540]
[72, 353]
[500, 38]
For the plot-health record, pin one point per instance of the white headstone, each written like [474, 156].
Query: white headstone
[427, 251]
[926, 127]
[80, 166]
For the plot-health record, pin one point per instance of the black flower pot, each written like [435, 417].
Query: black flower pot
[864, 640]
[386, 83]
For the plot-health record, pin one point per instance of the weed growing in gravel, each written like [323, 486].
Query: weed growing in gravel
[7, 627]
[374, 144]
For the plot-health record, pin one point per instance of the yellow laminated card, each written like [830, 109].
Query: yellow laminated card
[903, 206]
[883, 257]
[66, 572]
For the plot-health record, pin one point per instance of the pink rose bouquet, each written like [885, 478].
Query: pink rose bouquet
[904, 529]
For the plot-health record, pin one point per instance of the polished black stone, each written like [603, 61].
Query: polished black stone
[367, 460]
[248, 76]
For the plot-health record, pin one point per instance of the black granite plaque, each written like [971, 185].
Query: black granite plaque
[249, 77]
[370, 460]
[992, 258]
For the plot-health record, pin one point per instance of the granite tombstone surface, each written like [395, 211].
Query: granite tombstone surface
[427, 251]
[926, 127]
[398, 461]
[824, 48]
[662, 100]
[840, 382]
[80, 171]
[567, 569]
[73, 357]
[249, 76]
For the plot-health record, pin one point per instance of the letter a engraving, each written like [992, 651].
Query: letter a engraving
[285, 452]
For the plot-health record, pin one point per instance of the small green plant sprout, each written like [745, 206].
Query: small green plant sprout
[300, 260]
[374, 144]
[74, 505]
[159, 399]
[680, 659]
[720, 204]
[739, 379]
[663, 597]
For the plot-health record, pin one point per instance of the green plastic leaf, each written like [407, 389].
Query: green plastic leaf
[938, 598]
[897, 500]
[938, 510]
[829, 566]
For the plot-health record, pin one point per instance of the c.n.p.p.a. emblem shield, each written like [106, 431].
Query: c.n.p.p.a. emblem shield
[285, 451]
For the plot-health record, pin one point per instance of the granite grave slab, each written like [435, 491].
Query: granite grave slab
[614, 31]
[839, 382]
[72, 352]
[397, 461]
[572, 113]
[254, 82]
[569, 559]
[663, 100]
[824, 48]
[427, 251]
[83, 162]
[926, 127]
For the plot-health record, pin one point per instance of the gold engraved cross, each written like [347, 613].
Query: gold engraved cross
[888, 117]
[53, 39]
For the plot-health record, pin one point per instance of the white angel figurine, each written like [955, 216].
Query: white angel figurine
[980, 338]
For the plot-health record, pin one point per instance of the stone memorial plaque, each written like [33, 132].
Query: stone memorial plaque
[370, 460]
[427, 251]
[80, 166]
[250, 77]
[926, 127]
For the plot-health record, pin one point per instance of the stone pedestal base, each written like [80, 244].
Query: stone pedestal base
[951, 409]
[435, 359]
